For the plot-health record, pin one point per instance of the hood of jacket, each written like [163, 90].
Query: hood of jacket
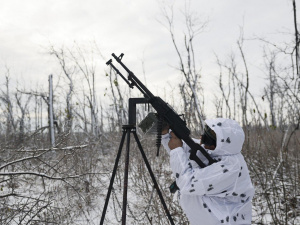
[230, 136]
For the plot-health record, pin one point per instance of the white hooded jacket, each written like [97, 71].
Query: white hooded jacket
[220, 193]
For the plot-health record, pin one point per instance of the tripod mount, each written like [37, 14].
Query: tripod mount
[127, 131]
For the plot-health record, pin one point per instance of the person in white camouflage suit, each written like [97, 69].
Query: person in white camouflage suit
[220, 193]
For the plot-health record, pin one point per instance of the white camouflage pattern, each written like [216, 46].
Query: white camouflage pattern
[222, 192]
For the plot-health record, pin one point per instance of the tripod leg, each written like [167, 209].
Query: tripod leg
[112, 177]
[153, 178]
[124, 208]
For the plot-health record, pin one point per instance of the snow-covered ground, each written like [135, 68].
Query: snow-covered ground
[70, 187]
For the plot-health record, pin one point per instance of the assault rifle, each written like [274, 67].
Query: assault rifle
[165, 113]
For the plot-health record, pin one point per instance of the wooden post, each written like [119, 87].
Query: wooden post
[50, 103]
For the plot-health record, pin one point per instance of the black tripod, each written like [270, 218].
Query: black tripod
[127, 130]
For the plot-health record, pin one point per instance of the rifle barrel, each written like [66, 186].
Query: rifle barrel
[134, 79]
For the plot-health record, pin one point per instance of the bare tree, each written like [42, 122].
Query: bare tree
[23, 109]
[68, 72]
[271, 89]
[244, 93]
[119, 107]
[6, 99]
[296, 38]
[88, 70]
[188, 60]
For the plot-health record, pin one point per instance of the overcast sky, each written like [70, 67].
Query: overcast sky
[131, 26]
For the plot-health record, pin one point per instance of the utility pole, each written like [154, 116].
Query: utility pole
[50, 104]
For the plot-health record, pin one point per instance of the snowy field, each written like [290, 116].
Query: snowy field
[68, 185]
